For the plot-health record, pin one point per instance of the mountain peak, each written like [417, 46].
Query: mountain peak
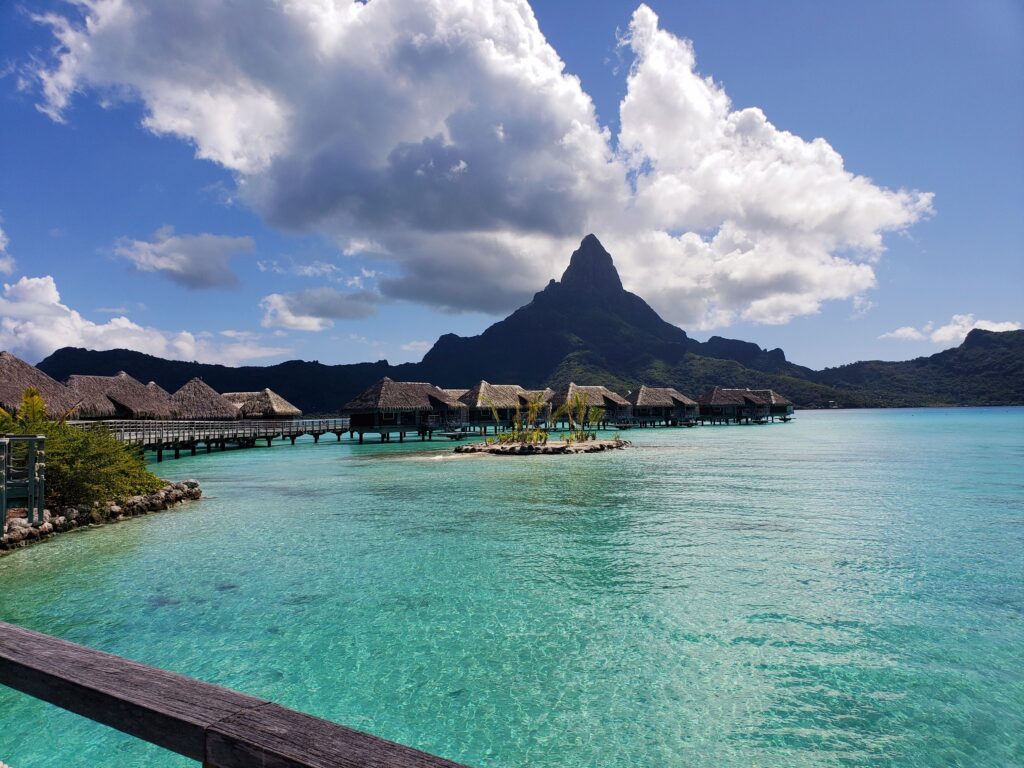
[591, 269]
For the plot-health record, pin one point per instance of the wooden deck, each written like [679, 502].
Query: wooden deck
[178, 436]
[216, 726]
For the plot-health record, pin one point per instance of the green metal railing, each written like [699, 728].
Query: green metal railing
[22, 475]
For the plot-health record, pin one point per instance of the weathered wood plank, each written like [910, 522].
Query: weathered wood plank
[217, 726]
[275, 737]
[161, 707]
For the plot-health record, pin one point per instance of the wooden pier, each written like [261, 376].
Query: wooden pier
[22, 475]
[177, 436]
[215, 726]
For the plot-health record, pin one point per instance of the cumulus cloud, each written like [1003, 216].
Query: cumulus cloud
[417, 346]
[194, 261]
[34, 322]
[6, 260]
[952, 333]
[316, 309]
[908, 333]
[448, 138]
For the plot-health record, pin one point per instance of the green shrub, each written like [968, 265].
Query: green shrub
[82, 465]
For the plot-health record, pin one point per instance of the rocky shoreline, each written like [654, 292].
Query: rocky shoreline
[19, 533]
[553, 448]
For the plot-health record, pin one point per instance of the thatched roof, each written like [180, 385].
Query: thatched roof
[93, 402]
[485, 395]
[658, 397]
[596, 396]
[154, 387]
[118, 396]
[455, 393]
[263, 404]
[16, 376]
[773, 397]
[388, 395]
[546, 394]
[725, 396]
[197, 400]
[164, 395]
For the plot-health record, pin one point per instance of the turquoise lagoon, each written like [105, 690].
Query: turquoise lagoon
[847, 589]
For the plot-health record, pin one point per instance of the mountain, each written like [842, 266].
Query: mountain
[587, 328]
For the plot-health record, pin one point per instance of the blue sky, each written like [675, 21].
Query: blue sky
[350, 186]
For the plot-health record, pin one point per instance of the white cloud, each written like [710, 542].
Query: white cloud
[6, 260]
[316, 309]
[905, 333]
[960, 325]
[34, 323]
[861, 306]
[194, 261]
[447, 137]
[417, 346]
[952, 333]
[317, 269]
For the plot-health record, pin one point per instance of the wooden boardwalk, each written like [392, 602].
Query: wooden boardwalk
[178, 436]
[216, 726]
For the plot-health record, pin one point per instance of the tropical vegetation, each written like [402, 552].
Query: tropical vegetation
[83, 466]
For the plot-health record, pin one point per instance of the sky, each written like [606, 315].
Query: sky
[247, 183]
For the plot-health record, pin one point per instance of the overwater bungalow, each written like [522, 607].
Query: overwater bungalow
[118, 397]
[403, 407]
[661, 405]
[496, 405]
[615, 407]
[198, 401]
[720, 405]
[779, 407]
[16, 376]
[265, 404]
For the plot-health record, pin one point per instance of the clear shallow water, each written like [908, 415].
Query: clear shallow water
[847, 589]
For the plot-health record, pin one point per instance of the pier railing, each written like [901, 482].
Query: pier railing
[153, 433]
[22, 475]
[216, 726]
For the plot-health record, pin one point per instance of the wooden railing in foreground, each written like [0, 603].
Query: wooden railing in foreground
[216, 726]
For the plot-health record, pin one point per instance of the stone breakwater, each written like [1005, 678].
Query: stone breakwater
[19, 533]
[560, 447]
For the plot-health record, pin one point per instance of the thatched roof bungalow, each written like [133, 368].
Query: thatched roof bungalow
[16, 376]
[118, 397]
[402, 406]
[265, 404]
[497, 404]
[661, 404]
[483, 400]
[198, 401]
[615, 406]
[777, 404]
[725, 405]
[546, 395]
